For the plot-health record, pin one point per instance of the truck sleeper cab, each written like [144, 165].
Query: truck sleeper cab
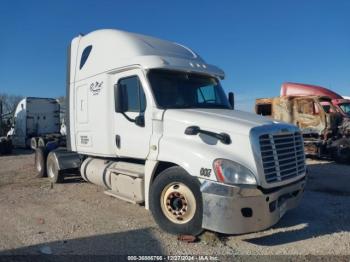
[149, 121]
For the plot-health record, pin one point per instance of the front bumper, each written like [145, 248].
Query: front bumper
[238, 210]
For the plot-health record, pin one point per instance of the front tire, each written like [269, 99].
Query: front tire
[176, 202]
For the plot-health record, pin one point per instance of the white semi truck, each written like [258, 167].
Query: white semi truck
[36, 121]
[148, 120]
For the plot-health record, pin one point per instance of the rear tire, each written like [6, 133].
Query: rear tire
[33, 143]
[41, 142]
[9, 147]
[176, 202]
[3, 147]
[53, 172]
[40, 162]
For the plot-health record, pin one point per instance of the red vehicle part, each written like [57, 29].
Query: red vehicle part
[298, 89]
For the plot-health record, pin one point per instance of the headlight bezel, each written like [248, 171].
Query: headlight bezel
[240, 175]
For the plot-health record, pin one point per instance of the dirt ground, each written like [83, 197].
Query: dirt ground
[78, 218]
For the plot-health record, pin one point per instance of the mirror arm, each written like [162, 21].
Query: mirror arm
[231, 98]
[128, 118]
[132, 120]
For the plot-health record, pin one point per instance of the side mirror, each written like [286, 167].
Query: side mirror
[119, 103]
[231, 99]
[140, 120]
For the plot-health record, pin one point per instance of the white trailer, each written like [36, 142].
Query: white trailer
[35, 122]
[148, 120]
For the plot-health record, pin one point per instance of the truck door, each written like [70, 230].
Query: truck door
[133, 126]
[308, 116]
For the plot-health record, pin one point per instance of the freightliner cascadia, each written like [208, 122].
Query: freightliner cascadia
[148, 120]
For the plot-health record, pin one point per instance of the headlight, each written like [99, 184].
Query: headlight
[230, 172]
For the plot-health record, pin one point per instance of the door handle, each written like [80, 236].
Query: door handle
[117, 141]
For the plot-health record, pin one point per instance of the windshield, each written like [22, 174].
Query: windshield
[327, 106]
[346, 108]
[186, 90]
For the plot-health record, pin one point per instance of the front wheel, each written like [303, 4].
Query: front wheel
[176, 202]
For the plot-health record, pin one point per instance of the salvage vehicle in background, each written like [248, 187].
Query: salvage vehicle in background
[346, 107]
[325, 130]
[148, 120]
[36, 121]
[341, 104]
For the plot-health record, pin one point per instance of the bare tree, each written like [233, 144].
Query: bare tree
[9, 102]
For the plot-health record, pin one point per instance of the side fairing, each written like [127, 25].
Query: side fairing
[91, 125]
[20, 124]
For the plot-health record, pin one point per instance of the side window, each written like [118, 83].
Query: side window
[84, 56]
[133, 97]
[206, 94]
[306, 107]
[264, 109]
[327, 107]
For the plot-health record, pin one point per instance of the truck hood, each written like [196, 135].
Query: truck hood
[195, 152]
[217, 120]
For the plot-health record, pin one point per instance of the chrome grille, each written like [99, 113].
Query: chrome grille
[282, 156]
